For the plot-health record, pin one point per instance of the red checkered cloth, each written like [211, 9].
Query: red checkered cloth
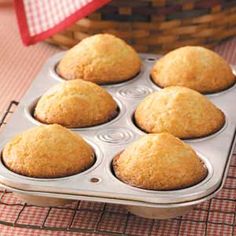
[39, 19]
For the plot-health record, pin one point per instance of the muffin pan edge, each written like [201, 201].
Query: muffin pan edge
[217, 150]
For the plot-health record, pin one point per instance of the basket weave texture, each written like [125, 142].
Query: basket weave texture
[157, 25]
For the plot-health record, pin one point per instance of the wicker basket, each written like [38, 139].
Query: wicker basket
[157, 25]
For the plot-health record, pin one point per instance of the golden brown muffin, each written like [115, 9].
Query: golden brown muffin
[76, 103]
[159, 162]
[195, 67]
[102, 58]
[181, 111]
[47, 152]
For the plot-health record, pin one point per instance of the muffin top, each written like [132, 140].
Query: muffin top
[102, 58]
[75, 103]
[159, 162]
[47, 152]
[195, 67]
[181, 111]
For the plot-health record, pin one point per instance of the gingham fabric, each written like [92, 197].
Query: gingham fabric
[39, 19]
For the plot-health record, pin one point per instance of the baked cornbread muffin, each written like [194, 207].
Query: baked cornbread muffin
[102, 58]
[159, 162]
[195, 67]
[181, 111]
[47, 152]
[76, 103]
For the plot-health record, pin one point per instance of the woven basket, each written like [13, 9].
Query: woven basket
[157, 25]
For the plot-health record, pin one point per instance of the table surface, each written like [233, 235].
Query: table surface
[19, 66]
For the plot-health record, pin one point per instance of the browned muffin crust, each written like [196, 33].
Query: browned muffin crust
[76, 103]
[47, 152]
[159, 162]
[181, 111]
[194, 67]
[102, 59]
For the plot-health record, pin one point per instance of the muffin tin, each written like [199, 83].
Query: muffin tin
[99, 183]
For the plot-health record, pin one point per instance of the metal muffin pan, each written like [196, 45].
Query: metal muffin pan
[99, 183]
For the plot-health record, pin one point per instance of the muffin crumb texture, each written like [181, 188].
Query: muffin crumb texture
[76, 103]
[102, 58]
[159, 162]
[181, 111]
[195, 67]
[47, 152]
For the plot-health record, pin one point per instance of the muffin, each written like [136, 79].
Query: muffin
[76, 103]
[102, 58]
[159, 162]
[47, 152]
[194, 67]
[181, 111]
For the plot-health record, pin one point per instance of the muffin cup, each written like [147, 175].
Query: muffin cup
[213, 93]
[117, 156]
[60, 78]
[159, 213]
[189, 139]
[30, 108]
[42, 201]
